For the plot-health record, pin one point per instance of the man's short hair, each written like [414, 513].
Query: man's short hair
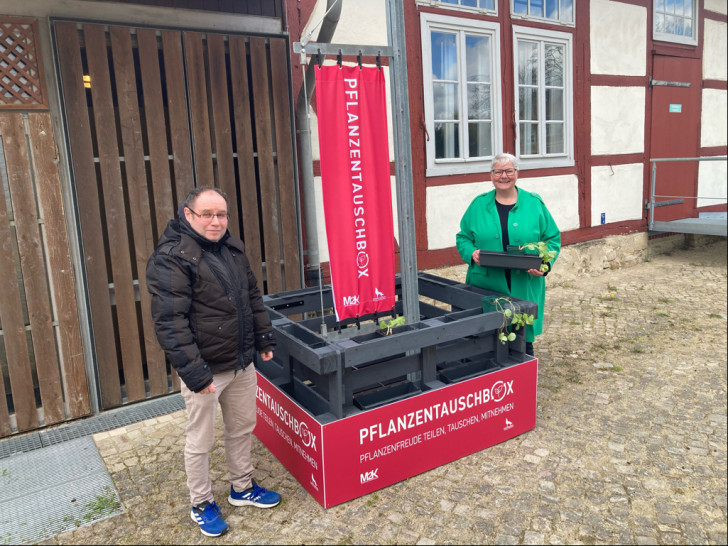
[196, 192]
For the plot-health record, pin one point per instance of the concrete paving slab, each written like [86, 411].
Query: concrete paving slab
[52, 490]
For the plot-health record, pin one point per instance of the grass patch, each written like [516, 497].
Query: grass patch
[573, 378]
[662, 314]
[638, 349]
[105, 504]
[664, 300]
[371, 501]
[710, 315]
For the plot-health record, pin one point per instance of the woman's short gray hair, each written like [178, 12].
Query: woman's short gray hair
[504, 158]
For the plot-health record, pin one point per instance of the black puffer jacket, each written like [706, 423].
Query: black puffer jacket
[208, 312]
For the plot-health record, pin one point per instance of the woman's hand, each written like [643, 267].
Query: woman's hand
[476, 256]
[535, 272]
[267, 355]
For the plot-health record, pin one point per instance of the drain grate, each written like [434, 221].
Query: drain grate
[108, 420]
[53, 490]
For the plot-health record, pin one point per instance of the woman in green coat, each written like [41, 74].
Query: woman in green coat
[508, 216]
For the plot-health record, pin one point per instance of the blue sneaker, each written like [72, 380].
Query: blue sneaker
[254, 496]
[208, 516]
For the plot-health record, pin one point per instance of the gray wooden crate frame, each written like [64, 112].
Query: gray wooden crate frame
[326, 375]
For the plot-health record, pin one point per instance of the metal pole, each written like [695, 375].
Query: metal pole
[403, 161]
[651, 223]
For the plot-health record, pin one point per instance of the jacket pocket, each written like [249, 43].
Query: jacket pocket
[477, 275]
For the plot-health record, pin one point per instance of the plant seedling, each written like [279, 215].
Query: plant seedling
[543, 251]
[389, 324]
[513, 318]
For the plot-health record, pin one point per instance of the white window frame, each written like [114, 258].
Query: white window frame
[441, 4]
[674, 38]
[461, 165]
[528, 17]
[565, 159]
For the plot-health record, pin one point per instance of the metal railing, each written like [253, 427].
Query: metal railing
[674, 199]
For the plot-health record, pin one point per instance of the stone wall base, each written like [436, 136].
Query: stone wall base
[594, 257]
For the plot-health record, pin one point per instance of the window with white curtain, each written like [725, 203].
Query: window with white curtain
[462, 93]
[543, 97]
[674, 21]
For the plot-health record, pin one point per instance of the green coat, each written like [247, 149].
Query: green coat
[529, 221]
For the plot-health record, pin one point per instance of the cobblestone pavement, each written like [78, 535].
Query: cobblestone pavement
[629, 445]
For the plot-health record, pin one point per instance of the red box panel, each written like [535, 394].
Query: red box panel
[356, 455]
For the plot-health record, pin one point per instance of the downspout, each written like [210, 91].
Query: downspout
[303, 130]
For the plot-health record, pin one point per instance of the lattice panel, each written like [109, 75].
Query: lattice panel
[21, 70]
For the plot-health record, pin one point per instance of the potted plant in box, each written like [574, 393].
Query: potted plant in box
[513, 318]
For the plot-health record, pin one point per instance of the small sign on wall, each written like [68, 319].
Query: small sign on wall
[675, 108]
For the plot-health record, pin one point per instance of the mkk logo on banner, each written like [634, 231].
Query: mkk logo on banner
[352, 120]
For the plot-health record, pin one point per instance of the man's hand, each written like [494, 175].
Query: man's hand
[210, 389]
[266, 355]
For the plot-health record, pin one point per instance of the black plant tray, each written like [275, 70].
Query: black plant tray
[509, 260]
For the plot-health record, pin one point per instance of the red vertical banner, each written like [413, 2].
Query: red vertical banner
[352, 121]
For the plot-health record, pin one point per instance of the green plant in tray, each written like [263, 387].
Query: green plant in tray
[543, 251]
[513, 318]
[393, 323]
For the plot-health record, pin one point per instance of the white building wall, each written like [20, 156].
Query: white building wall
[361, 22]
[447, 204]
[717, 6]
[618, 39]
[617, 120]
[713, 127]
[617, 192]
[354, 29]
[445, 207]
[561, 196]
[714, 50]
[712, 176]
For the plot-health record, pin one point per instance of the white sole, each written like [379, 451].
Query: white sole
[235, 502]
[192, 516]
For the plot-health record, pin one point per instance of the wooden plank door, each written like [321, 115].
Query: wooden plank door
[41, 353]
[161, 112]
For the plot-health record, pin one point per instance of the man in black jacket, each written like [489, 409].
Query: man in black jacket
[209, 318]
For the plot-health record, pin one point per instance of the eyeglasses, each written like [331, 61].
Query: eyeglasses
[508, 172]
[208, 216]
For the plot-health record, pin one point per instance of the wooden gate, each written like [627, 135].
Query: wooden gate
[42, 370]
[41, 354]
[151, 114]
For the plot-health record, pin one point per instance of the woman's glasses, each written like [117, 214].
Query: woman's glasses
[508, 172]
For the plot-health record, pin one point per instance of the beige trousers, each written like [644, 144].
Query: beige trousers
[235, 392]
